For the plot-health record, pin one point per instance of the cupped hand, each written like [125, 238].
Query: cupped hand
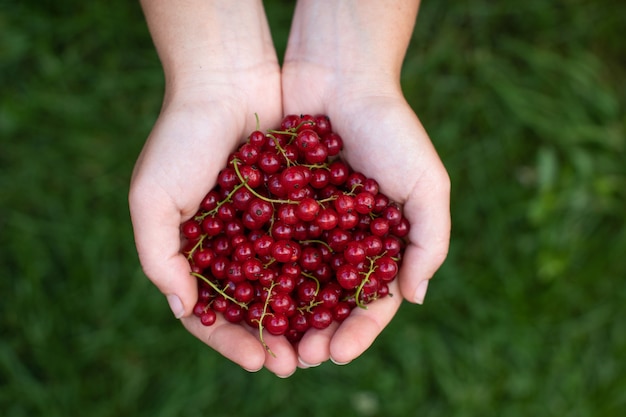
[383, 139]
[197, 129]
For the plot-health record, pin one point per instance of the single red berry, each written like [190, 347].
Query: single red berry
[208, 318]
[311, 258]
[307, 139]
[327, 219]
[249, 153]
[226, 212]
[322, 124]
[251, 175]
[199, 308]
[355, 252]
[252, 269]
[307, 291]
[269, 162]
[210, 201]
[212, 226]
[191, 229]
[338, 239]
[373, 245]
[321, 317]
[401, 229]
[276, 324]
[299, 322]
[203, 257]
[339, 172]
[263, 245]
[286, 213]
[281, 231]
[371, 186]
[260, 210]
[316, 155]
[257, 138]
[244, 292]
[364, 202]
[392, 245]
[348, 220]
[333, 143]
[392, 214]
[307, 209]
[227, 178]
[220, 304]
[234, 313]
[355, 181]
[379, 226]
[344, 203]
[341, 311]
[348, 276]
[254, 314]
[290, 122]
[285, 283]
[219, 266]
[320, 178]
[294, 178]
[281, 302]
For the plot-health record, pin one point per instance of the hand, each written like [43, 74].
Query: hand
[179, 164]
[383, 139]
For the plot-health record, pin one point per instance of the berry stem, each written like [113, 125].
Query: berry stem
[263, 315]
[253, 191]
[219, 290]
[357, 294]
[196, 246]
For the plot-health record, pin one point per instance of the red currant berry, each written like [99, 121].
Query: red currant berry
[210, 201]
[257, 138]
[339, 172]
[321, 317]
[308, 209]
[333, 143]
[208, 318]
[276, 324]
[379, 226]
[348, 276]
[191, 229]
[364, 202]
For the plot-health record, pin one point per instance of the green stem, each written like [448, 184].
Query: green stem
[219, 290]
[263, 315]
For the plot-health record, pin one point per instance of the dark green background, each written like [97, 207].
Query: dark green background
[525, 102]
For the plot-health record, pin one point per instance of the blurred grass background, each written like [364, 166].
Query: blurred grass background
[525, 102]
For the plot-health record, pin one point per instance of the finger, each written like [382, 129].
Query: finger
[280, 356]
[357, 332]
[428, 212]
[232, 341]
[314, 348]
[157, 237]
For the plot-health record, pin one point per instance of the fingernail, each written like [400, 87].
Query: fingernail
[420, 292]
[252, 370]
[286, 376]
[176, 305]
[338, 363]
[306, 364]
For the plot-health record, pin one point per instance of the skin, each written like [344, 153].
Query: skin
[220, 69]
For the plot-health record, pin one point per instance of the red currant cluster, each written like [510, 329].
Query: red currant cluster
[291, 238]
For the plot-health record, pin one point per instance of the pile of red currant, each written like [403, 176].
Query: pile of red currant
[291, 238]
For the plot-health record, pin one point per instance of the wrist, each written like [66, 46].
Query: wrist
[352, 38]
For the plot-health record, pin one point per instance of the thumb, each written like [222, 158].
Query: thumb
[428, 212]
[157, 238]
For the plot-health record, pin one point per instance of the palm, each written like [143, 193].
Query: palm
[179, 164]
[384, 140]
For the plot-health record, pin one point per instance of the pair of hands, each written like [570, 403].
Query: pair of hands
[206, 115]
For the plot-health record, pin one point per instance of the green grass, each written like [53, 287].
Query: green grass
[525, 102]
